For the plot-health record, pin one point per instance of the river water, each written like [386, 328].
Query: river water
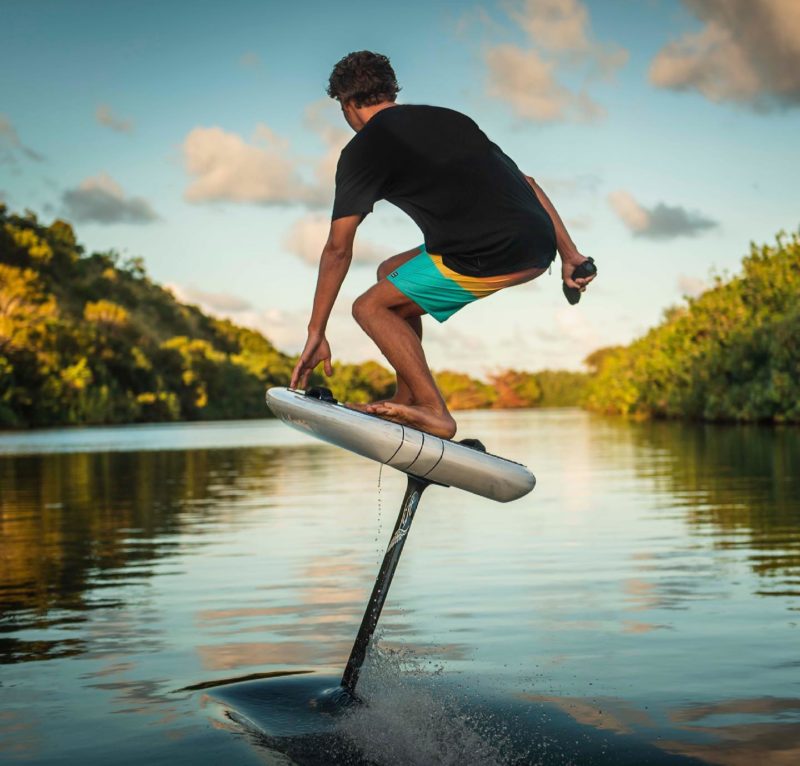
[641, 606]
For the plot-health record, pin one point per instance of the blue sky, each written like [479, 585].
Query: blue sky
[198, 135]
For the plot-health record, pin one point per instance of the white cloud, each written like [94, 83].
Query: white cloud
[660, 221]
[368, 252]
[105, 116]
[527, 79]
[748, 51]
[102, 200]
[526, 82]
[226, 168]
[308, 234]
[558, 25]
[323, 117]
[632, 214]
[562, 26]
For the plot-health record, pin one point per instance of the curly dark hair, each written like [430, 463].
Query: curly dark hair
[364, 77]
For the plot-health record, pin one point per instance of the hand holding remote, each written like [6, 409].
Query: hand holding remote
[585, 269]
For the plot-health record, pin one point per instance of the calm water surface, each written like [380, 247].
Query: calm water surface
[642, 605]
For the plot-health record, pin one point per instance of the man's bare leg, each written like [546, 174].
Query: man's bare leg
[383, 313]
[402, 394]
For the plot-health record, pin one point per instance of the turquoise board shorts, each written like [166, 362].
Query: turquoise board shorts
[439, 290]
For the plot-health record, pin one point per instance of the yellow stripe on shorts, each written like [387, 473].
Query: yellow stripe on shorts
[480, 287]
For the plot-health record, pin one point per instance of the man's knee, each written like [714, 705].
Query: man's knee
[361, 308]
[371, 303]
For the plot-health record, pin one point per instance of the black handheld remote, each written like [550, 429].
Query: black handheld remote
[586, 269]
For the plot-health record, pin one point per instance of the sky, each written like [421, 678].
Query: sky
[198, 136]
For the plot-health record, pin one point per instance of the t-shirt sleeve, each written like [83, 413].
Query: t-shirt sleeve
[360, 177]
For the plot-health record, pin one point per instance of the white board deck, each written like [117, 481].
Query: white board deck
[406, 449]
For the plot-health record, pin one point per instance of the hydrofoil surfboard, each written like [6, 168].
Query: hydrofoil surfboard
[416, 453]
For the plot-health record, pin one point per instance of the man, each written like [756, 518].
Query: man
[486, 226]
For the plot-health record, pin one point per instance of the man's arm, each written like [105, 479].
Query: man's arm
[566, 247]
[570, 255]
[333, 267]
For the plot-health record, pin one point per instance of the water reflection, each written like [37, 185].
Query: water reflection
[627, 593]
[77, 529]
[763, 731]
[603, 713]
[741, 732]
[739, 485]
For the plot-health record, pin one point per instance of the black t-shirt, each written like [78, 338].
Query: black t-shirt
[470, 200]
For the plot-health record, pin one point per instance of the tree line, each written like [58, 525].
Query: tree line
[730, 354]
[91, 338]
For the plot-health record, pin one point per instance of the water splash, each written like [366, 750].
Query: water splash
[411, 717]
[416, 714]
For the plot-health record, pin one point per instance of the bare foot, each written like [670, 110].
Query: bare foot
[392, 400]
[426, 419]
[365, 407]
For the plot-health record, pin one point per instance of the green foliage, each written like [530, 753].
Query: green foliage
[105, 313]
[510, 389]
[562, 388]
[359, 383]
[91, 339]
[514, 389]
[461, 392]
[733, 353]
